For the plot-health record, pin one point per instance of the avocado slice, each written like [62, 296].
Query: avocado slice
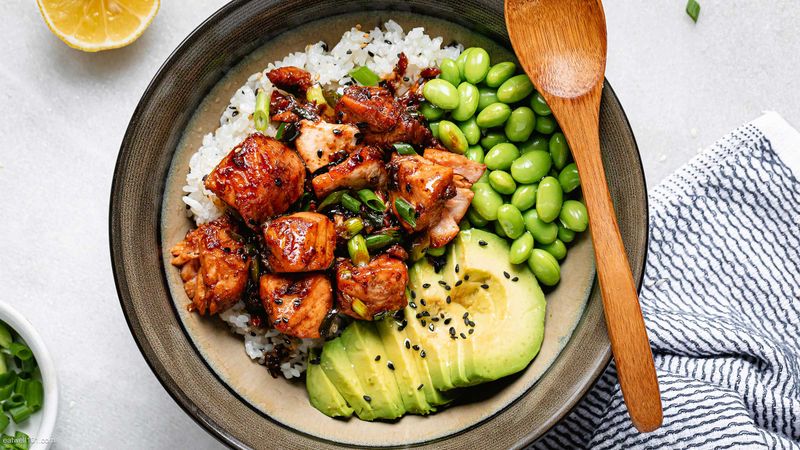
[342, 374]
[397, 345]
[321, 391]
[363, 345]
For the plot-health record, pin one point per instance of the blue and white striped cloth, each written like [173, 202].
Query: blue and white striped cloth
[721, 299]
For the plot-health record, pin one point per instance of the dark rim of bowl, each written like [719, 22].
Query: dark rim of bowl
[177, 394]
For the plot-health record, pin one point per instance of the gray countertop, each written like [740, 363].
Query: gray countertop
[682, 85]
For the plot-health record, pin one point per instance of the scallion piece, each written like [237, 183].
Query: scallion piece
[34, 395]
[380, 240]
[14, 401]
[22, 441]
[261, 114]
[693, 9]
[351, 203]
[438, 251]
[332, 199]
[365, 76]
[404, 149]
[254, 269]
[28, 365]
[3, 422]
[353, 225]
[7, 382]
[372, 200]
[20, 350]
[5, 336]
[23, 380]
[357, 248]
[360, 308]
[20, 413]
[406, 211]
[279, 133]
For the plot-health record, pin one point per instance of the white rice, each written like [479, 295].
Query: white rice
[377, 49]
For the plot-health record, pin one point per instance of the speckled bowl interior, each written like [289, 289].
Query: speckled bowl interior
[204, 366]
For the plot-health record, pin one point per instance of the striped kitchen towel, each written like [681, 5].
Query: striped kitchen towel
[721, 299]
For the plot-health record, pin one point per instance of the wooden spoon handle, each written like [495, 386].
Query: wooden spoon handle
[637, 376]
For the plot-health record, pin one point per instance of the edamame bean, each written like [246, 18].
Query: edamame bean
[486, 97]
[569, 178]
[498, 230]
[501, 156]
[555, 248]
[434, 126]
[539, 106]
[493, 115]
[467, 102]
[486, 201]
[462, 58]
[475, 153]
[441, 93]
[564, 234]
[574, 215]
[543, 232]
[514, 89]
[545, 267]
[520, 124]
[544, 124]
[493, 138]
[484, 177]
[521, 248]
[476, 65]
[549, 198]
[536, 143]
[510, 219]
[502, 182]
[524, 197]
[476, 218]
[531, 167]
[430, 111]
[464, 224]
[450, 72]
[452, 137]
[499, 73]
[471, 130]
[559, 150]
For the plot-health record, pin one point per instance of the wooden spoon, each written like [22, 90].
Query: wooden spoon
[561, 44]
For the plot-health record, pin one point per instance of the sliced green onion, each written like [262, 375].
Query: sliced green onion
[693, 9]
[372, 200]
[404, 149]
[14, 401]
[3, 366]
[314, 94]
[8, 381]
[279, 133]
[332, 199]
[406, 211]
[34, 395]
[5, 336]
[380, 240]
[360, 308]
[261, 114]
[4, 421]
[351, 203]
[365, 76]
[7, 441]
[438, 251]
[20, 413]
[28, 365]
[20, 350]
[353, 226]
[23, 380]
[254, 269]
[22, 441]
[357, 248]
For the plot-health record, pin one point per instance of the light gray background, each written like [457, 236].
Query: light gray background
[64, 113]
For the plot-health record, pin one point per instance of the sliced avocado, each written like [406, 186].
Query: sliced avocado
[321, 392]
[363, 345]
[406, 372]
[342, 374]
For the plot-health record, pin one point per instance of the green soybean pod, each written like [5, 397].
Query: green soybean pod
[544, 124]
[471, 130]
[493, 115]
[476, 65]
[452, 137]
[475, 218]
[531, 167]
[434, 126]
[515, 89]
[474, 153]
[486, 96]
[539, 106]
[564, 234]
[569, 178]
[486, 201]
[467, 102]
[502, 182]
[524, 197]
[545, 267]
[510, 219]
[549, 198]
[555, 248]
[450, 72]
[520, 124]
[430, 111]
[574, 216]
[536, 143]
[501, 156]
[543, 232]
[441, 93]
[559, 150]
[521, 248]
[461, 59]
[499, 73]
[493, 138]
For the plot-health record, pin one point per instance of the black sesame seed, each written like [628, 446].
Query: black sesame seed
[296, 303]
[319, 153]
[431, 327]
[447, 321]
[452, 330]
[426, 285]
[423, 322]
[448, 300]
[485, 286]
[506, 274]
[453, 337]
[415, 347]
[434, 319]
[278, 182]
[285, 320]
[349, 52]
[457, 268]
[466, 277]
[463, 336]
[441, 315]
[337, 132]
[406, 79]
[367, 398]
[458, 283]
[515, 279]
[370, 54]
[471, 323]
[314, 361]
[408, 188]
[388, 42]
[378, 358]
[422, 302]
[278, 301]
[277, 321]
[413, 305]
[426, 314]
[466, 314]
[483, 243]
[418, 315]
[419, 388]
[408, 343]
[442, 282]
[390, 365]
[422, 353]
[413, 294]
[447, 288]
[471, 330]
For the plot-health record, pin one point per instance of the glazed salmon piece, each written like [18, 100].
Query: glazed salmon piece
[296, 304]
[423, 184]
[320, 143]
[300, 242]
[380, 286]
[363, 168]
